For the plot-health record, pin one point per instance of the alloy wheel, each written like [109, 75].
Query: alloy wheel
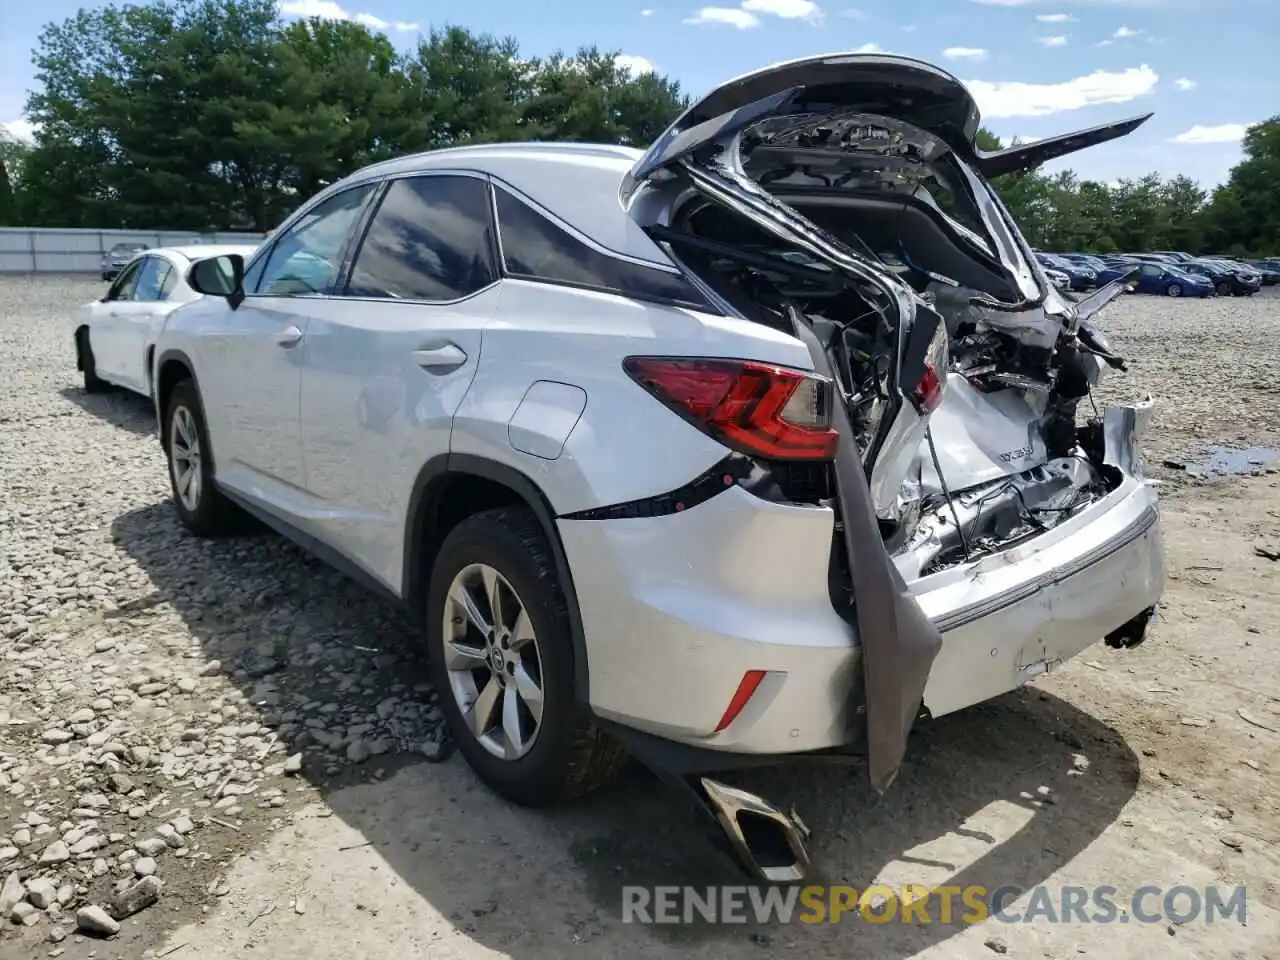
[493, 660]
[184, 457]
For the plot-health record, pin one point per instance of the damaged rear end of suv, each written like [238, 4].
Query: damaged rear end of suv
[990, 521]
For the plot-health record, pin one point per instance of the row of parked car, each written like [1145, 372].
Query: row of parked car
[1169, 273]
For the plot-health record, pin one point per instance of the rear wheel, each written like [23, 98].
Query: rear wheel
[1174, 290]
[89, 369]
[502, 658]
[199, 504]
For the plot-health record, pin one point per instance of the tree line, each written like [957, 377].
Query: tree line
[219, 115]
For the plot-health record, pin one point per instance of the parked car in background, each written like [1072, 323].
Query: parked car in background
[1226, 281]
[1114, 267]
[1170, 281]
[116, 334]
[1175, 255]
[1079, 276]
[115, 259]
[1092, 261]
[1059, 278]
[1249, 277]
[440, 417]
[1268, 270]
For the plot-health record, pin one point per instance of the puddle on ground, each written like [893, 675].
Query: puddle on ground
[1232, 462]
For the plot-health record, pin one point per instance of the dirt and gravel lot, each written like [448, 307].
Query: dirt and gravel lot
[257, 734]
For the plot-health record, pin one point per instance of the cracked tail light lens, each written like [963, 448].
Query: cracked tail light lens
[927, 395]
[758, 409]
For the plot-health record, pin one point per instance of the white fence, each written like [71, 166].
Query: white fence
[49, 250]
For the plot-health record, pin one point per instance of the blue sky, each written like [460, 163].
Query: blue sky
[1038, 67]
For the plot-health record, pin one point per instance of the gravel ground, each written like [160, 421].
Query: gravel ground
[236, 732]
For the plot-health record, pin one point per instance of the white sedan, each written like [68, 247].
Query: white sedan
[117, 334]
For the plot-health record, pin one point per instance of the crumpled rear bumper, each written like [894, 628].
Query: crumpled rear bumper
[1012, 616]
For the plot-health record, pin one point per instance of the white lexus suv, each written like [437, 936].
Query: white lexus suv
[761, 442]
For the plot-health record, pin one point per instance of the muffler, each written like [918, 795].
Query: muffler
[767, 843]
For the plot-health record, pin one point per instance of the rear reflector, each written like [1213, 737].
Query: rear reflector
[746, 689]
[755, 408]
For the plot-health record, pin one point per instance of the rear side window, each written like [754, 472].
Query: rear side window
[428, 240]
[534, 248]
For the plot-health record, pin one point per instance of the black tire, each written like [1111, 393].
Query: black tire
[212, 514]
[1174, 290]
[1224, 289]
[571, 755]
[84, 356]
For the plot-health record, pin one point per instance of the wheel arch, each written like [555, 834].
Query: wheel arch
[453, 486]
[172, 368]
[148, 359]
[82, 342]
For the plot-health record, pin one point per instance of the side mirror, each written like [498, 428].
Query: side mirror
[219, 277]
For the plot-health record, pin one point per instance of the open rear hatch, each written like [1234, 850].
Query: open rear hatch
[841, 199]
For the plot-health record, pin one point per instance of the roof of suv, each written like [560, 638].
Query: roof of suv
[570, 180]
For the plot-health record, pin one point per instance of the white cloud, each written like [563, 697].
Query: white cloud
[1056, 18]
[329, 10]
[784, 9]
[1052, 41]
[1222, 133]
[1183, 84]
[871, 48]
[1124, 32]
[22, 130]
[647, 12]
[747, 14]
[633, 62]
[1003, 99]
[853, 13]
[964, 53]
[729, 16]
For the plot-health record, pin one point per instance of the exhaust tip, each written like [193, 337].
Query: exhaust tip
[768, 844]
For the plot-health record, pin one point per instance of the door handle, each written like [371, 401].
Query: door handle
[445, 357]
[288, 336]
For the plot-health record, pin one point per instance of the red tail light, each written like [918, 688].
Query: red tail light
[927, 395]
[928, 392]
[755, 408]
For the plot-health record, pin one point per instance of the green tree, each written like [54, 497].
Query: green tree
[215, 114]
[1245, 211]
[12, 157]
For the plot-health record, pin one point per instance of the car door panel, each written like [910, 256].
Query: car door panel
[106, 331]
[256, 354]
[387, 364]
[135, 321]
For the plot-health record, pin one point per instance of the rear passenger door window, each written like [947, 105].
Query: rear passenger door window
[428, 240]
[150, 280]
[534, 248]
[122, 289]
